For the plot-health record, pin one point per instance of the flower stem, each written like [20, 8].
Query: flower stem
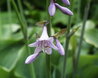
[19, 17]
[9, 11]
[22, 13]
[48, 57]
[86, 12]
[74, 50]
[67, 44]
[78, 11]
[0, 25]
[66, 47]
[23, 25]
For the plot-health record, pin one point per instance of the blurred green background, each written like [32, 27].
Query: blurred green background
[12, 44]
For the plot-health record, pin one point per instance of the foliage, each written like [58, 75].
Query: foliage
[13, 51]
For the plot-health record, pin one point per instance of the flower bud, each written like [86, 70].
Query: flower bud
[64, 9]
[52, 8]
[66, 2]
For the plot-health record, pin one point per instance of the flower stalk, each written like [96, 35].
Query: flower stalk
[66, 47]
[19, 17]
[86, 13]
[23, 25]
[48, 57]
[67, 44]
[74, 50]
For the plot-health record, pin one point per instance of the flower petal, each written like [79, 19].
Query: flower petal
[51, 39]
[66, 2]
[44, 35]
[64, 9]
[52, 8]
[48, 51]
[52, 46]
[33, 44]
[60, 47]
[37, 50]
[32, 57]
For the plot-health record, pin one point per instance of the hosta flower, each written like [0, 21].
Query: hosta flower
[44, 43]
[64, 9]
[52, 8]
[66, 2]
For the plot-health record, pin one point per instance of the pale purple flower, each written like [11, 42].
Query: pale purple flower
[44, 43]
[66, 2]
[60, 47]
[52, 8]
[64, 9]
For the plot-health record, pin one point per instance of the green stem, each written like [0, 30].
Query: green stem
[0, 25]
[19, 17]
[86, 12]
[66, 48]
[24, 30]
[48, 57]
[9, 11]
[48, 66]
[78, 11]
[22, 13]
[25, 23]
[67, 44]
[9, 16]
[74, 51]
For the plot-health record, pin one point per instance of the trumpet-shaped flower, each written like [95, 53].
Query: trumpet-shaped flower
[44, 43]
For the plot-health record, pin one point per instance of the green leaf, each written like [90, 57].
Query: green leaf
[40, 66]
[9, 56]
[90, 72]
[60, 18]
[4, 73]
[88, 66]
[6, 19]
[8, 31]
[89, 25]
[84, 62]
[91, 37]
[87, 60]
[24, 70]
